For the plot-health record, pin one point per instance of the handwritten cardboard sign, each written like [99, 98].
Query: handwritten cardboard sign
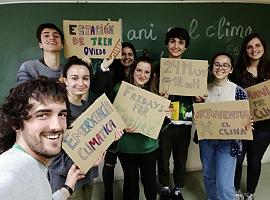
[92, 133]
[183, 77]
[141, 109]
[223, 120]
[94, 39]
[259, 101]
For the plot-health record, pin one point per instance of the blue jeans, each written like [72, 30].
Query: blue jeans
[218, 169]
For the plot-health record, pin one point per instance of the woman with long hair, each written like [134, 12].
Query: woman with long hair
[252, 67]
[137, 152]
[109, 76]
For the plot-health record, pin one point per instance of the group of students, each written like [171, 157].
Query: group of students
[45, 104]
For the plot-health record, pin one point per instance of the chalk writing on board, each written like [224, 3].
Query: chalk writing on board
[145, 33]
[223, 29]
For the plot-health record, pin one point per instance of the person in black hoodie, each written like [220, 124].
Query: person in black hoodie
[252, 67]
[175, 138]
[109, 74]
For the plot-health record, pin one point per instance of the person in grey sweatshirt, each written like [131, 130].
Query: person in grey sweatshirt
[50, 39]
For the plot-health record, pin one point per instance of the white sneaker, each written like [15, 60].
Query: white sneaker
[249, 196]
[238, 195]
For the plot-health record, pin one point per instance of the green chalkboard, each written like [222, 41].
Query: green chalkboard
[213, 27]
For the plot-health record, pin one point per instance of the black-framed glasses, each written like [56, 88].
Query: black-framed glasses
[222, 66]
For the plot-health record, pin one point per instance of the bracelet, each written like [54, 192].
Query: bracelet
[69, 189]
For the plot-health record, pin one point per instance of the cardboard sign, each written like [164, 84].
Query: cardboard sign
[140, 109]
[183, 76]
[259, 101]
[92, 133]
[94, 39]
[223, 120]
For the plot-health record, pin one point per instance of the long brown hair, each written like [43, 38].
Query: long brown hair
[243, 59]
[150, 86]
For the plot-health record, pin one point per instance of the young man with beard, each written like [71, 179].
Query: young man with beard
[32, 122]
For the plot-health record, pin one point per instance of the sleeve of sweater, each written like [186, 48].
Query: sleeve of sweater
[23, 73]
[102, 82]
[58, 195]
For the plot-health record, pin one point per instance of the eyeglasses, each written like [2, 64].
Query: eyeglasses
[222, 66]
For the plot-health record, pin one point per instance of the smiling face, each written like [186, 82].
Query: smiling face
[127, 57]
[255, 49]
[77, 80]
[42, 134]
[142, 73]
[222, 67]
[50, 40]
[176, 47]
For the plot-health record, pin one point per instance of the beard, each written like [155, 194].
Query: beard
[38, 146]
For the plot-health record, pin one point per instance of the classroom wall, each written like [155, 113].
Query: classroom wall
[213, 27]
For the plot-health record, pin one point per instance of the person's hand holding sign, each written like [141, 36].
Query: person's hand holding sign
[106, 64]
[74, 174]
[118, 134]
[249, 124]
[130, 130]
[200, 99]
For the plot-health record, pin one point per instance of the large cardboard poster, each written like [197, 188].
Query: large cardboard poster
[141, 109]
[92, 133]
[223, 120]
[183, 77]
[94, 39]
[259, 101]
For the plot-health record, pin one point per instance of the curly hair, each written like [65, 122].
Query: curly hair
[16, 107]
[178, 32]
